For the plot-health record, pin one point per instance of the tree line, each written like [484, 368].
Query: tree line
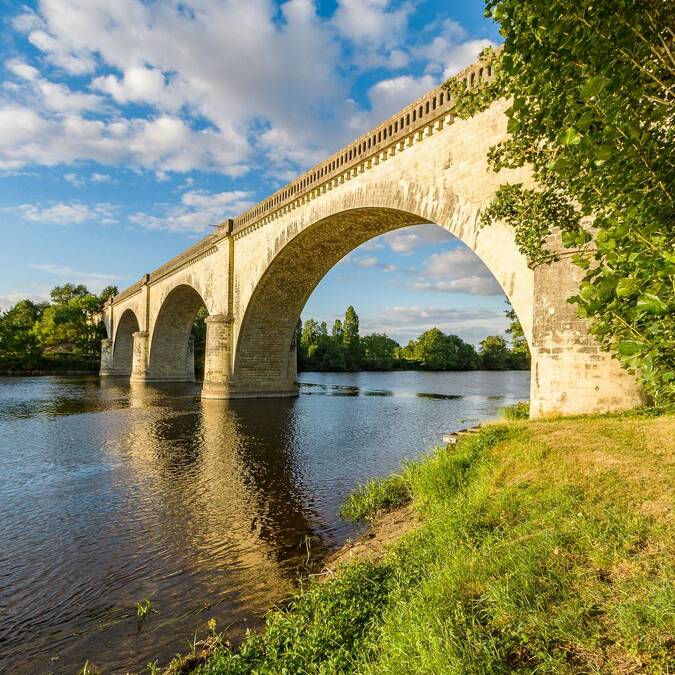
[64, 333]
[344, 349]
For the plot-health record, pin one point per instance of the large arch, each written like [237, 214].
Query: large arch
[264, 359]
[171, 356]
[123, 345]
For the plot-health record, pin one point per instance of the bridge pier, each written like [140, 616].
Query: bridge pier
[139, 363]
[570, 373]
[218, 356]
[107, 363]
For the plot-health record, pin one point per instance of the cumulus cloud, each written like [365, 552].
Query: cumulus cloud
[406, 323]
[457, 271]
[37, 293]
[409, 239]
[71, 213]
[211, 103]
[198, 212]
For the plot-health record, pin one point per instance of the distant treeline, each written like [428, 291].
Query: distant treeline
[344, 349]
[61, 335]
[65, 334]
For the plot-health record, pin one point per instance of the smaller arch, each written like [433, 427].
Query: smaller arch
[171, 356]
[123, 344]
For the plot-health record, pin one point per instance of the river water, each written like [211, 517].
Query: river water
[111, 494]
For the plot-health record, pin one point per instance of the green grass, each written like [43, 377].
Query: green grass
[547, 547]
[376, 496]
[517, 411]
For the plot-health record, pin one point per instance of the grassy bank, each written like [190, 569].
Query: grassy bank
[546, 546]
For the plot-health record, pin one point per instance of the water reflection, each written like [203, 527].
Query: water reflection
[110, 494]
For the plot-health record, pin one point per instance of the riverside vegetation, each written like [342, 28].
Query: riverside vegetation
[345, 350]
[545, 547]
[61, 335]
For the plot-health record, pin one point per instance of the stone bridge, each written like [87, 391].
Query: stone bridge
[255, 273]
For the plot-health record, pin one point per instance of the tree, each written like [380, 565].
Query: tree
[351, 339]
[434, 350]
[379, 351]
[495, 353]
[592, 86]
[338, 332]
[72, 321]
[198, 332]
[17, 338]
[520, 351]
[107, 293]
[62, 295]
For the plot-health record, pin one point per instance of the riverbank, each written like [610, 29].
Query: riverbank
[541, 545]
[45, 365]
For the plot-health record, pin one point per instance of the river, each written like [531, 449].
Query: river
[111, 494]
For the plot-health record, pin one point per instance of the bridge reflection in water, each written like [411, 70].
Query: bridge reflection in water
[196, 505]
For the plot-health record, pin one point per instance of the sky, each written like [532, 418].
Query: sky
[129, 129]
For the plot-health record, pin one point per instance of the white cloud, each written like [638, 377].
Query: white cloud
[406, 323]
[100, 178]
[371, 23]
[215, 103]
[74, 179]
[37, 294]
[62, 213]
[388, 96]
[198, 212]
[409, 239]
[456, 271]
[94, 281]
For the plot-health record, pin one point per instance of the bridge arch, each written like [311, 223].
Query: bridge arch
[298, 258]
[171, 353]
[123, 343]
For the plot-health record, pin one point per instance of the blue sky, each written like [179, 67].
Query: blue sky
[129, 128]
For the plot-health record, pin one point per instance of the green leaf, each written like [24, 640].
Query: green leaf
[587, 291]
[651, 303]
[625, 287]
[630, 347]
[569, 136]
[593, 87]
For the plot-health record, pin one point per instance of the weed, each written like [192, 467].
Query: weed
[376, 496]
[517, 411]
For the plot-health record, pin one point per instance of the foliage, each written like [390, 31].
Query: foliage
[198, 332]
[434, 350]
[17, 338]
[351, 339]
[32, 335]
[379, 352]
[592, 88]
[495, 353]
[345, 349]
[517, 411]
[546, 548]
[520, 351]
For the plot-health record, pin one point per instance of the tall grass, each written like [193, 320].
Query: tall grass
[546, 547]
[376, 496]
